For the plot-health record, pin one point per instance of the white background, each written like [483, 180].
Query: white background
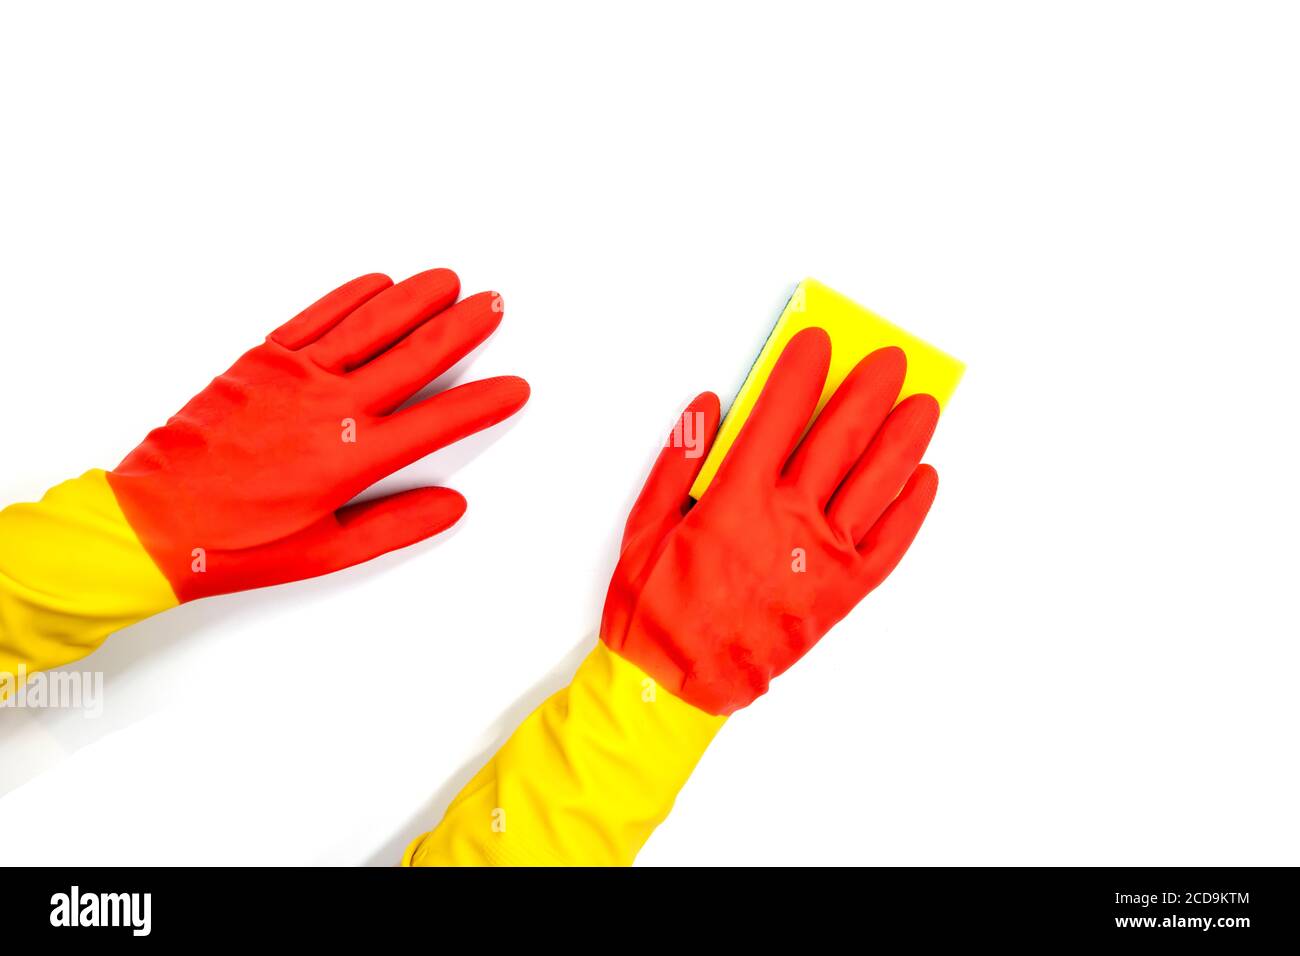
[1089, 656]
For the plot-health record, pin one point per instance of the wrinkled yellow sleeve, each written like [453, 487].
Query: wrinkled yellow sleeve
[71, 572]
[584, 781]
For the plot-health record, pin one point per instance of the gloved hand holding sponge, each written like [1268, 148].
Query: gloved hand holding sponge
[712, 599]
[248, 485]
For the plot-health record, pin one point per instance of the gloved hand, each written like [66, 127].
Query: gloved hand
[710, 600]
[715, 600]
[257, 468]
[248, 485]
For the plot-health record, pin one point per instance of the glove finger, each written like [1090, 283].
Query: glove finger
[782, 411]
[449, 416]
[372, 528]
[883, 468]
[386, 318]
[846, 425]
[428, 352]
[891, 536]
[351, 535]
[665, 497]
[329, 310]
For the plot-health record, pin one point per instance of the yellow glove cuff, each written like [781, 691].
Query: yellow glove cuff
[71, 572]
[584, 781]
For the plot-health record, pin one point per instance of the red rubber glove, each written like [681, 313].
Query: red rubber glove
[714, 600]
[248, 484]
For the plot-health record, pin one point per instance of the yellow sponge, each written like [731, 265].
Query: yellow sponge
[855, 333]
